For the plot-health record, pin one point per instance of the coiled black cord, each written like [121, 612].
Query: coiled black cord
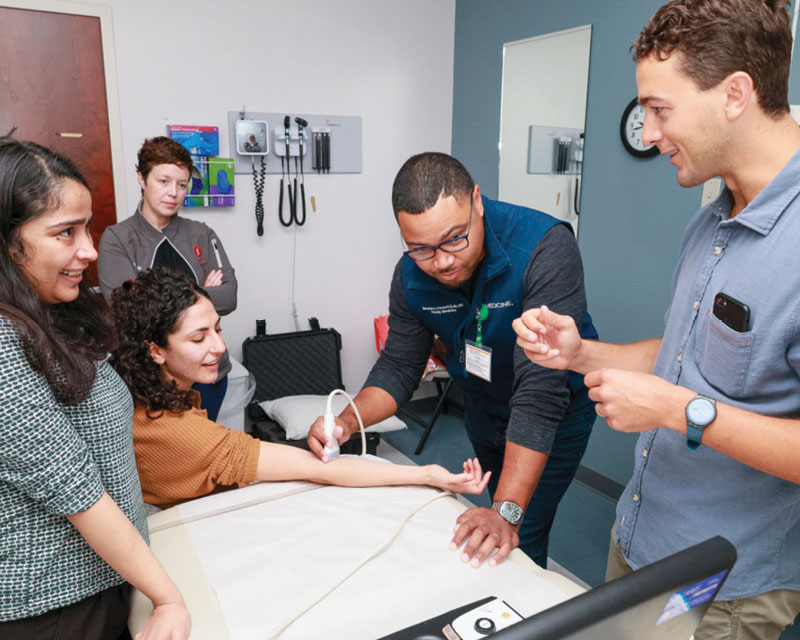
[258, 184]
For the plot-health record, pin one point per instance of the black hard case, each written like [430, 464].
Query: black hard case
[290, 364]
[296, 363]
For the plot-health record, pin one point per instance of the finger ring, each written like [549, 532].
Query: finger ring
[496, 535]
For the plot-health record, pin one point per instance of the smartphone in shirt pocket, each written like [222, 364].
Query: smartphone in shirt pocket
[732, 313]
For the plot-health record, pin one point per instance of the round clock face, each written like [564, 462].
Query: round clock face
[630, 130]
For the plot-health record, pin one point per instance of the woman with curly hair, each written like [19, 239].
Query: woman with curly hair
[156, 235]
[168, 339]
[72, 523]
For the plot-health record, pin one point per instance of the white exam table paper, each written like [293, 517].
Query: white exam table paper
[265, 561]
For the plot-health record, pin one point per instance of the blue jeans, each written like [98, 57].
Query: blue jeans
[488, 436]
[211, 396]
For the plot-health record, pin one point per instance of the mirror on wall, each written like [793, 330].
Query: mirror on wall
[542, 121]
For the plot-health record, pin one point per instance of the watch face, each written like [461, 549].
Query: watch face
[631, 131]
[511, 512]
[700, 411]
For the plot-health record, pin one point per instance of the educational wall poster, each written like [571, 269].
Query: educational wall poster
[220, 182]
[199, 141]
[197, 195]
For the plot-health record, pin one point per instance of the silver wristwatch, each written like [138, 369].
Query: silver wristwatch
[511, 512]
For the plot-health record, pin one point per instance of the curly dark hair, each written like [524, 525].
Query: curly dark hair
[147, 310]
[426, 177]
[718, 37]
[61, 341]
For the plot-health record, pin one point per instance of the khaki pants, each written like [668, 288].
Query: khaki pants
[761, 617]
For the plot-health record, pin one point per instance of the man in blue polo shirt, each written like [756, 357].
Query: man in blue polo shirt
[472, 266]
[717, 398]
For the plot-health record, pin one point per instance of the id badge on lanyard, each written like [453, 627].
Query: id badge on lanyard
[478, 357]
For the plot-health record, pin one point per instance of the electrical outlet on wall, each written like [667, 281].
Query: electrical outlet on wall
[711, 189]
[794, 109]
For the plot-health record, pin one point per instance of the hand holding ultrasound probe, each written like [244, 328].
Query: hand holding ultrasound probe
[163, 307]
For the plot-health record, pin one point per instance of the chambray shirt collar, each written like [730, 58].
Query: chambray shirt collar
[768, 206]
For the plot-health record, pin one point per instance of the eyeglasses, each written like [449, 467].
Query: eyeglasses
[453, 245]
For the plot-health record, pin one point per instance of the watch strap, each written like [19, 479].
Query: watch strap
[694, 434]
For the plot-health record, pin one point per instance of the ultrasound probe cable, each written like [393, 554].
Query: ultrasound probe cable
[372, 554]
[329, 421]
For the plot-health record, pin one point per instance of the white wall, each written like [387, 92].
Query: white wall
[388, 61]
[545, 82]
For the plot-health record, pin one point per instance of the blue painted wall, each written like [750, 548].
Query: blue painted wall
[632, 211]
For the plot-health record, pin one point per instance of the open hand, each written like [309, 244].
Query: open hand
[472, 480]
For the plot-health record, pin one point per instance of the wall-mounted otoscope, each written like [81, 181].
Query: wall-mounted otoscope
[301, 125]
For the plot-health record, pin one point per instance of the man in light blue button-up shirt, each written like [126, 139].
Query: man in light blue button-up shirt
[713, 78]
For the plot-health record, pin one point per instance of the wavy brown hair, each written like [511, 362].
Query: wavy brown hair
[718, 37]
[61, 341]
[162, 150]
[148, 310]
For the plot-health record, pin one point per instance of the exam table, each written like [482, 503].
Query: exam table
[249, 560]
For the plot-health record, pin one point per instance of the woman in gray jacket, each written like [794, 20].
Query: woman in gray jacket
[155, 235]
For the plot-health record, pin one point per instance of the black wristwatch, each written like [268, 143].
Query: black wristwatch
[700, 412]
[511, 512]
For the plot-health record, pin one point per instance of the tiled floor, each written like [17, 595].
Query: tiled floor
[580, 534]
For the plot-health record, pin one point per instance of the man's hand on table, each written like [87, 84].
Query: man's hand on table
[484, 530]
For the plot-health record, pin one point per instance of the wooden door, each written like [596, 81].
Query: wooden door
[52, 88]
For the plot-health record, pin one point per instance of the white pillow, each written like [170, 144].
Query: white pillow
[296, 414]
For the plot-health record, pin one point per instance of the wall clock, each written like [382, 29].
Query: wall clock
[630, 130]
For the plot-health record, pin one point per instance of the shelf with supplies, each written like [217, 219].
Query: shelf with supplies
[322, 143]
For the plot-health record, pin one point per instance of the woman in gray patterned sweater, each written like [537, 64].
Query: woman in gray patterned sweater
[72, 522]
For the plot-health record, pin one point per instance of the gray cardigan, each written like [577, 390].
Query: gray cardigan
[129, 247]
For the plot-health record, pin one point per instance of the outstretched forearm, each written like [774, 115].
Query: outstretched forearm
[552, 340]
[636, 356]
[767, 443]
[282, 462]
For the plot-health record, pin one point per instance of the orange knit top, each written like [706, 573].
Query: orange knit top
[185, 456]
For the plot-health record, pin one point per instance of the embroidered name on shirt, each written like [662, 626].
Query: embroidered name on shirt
[445, 308]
